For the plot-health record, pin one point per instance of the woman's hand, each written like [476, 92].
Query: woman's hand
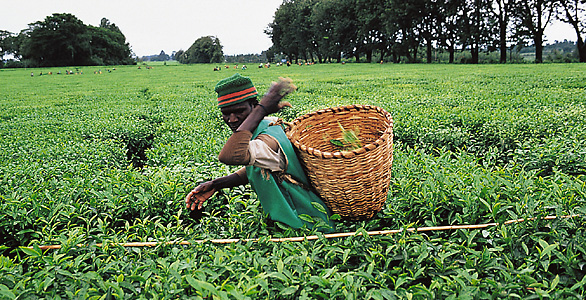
[199, 195]
[271, 101]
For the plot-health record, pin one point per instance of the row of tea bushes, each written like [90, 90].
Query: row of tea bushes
[473, 145]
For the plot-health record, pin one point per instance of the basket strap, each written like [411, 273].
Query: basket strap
[278, 122]
[282, 123]
[285, 125]
[281, 176]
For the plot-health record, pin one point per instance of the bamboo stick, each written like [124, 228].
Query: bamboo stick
[315, 237]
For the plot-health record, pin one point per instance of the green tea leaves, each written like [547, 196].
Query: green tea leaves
[349, 140]
[473, 145]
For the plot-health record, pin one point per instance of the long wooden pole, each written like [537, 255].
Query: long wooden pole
[315, 237]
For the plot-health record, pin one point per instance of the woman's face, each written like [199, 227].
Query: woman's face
[234, 115]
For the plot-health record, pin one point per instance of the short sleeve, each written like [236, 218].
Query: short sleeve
[262, 156]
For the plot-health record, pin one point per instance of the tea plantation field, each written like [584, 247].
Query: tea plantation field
[107, 155]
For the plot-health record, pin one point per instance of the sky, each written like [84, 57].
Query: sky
[151, 26]
[171, 25]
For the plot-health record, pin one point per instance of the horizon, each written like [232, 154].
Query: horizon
[150, 27]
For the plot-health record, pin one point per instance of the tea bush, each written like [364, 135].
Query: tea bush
[92, 160]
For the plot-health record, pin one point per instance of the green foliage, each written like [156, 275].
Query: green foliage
[206, 49]
[109, 47]
[63, 40]
[5, 43]
[473, 145]
[414, 31]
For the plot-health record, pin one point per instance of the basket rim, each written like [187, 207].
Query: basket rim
[343, 154]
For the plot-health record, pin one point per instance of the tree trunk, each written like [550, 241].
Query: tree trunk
[538, 39]
[319, 56]
[428, 51]
[503, 40]
[474, 52]
[414, 56]
[581, 49]
[383, 49]
[476, 32]
[451, 50]
[575, 23]
[581, 46]
[369, 56]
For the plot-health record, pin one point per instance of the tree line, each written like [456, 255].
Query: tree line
[162, 56]
[399, 30]
[63, 40]
[206, 49]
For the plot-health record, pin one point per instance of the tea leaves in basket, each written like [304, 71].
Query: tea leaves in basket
[349, 141]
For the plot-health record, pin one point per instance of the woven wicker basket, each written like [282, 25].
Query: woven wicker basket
[353, 184]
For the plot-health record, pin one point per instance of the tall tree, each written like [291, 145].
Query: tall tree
[345, 28]
[306, 42]
[430, 25]
[163, 56]
[346, 25]
[371, 34]
[217, 53]
[282, 31]
[4, 35]
[403, 20]
[502, 10]
[533, 16]
[574, 13]
[302, 28]
[108, 45]
[450, 16]
[323, 20]
[63, 40]
[206, 49]
[59, 40]
[180, 56]
[476, 27]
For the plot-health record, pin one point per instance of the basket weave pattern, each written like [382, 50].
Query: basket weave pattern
[353, 184]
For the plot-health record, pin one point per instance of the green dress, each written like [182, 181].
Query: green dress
[283, 199]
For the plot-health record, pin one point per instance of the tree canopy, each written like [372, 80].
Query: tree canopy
[205, 49]
[398, 30]
[64, 40]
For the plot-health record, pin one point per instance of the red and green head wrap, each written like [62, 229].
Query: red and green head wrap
[235, 89]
